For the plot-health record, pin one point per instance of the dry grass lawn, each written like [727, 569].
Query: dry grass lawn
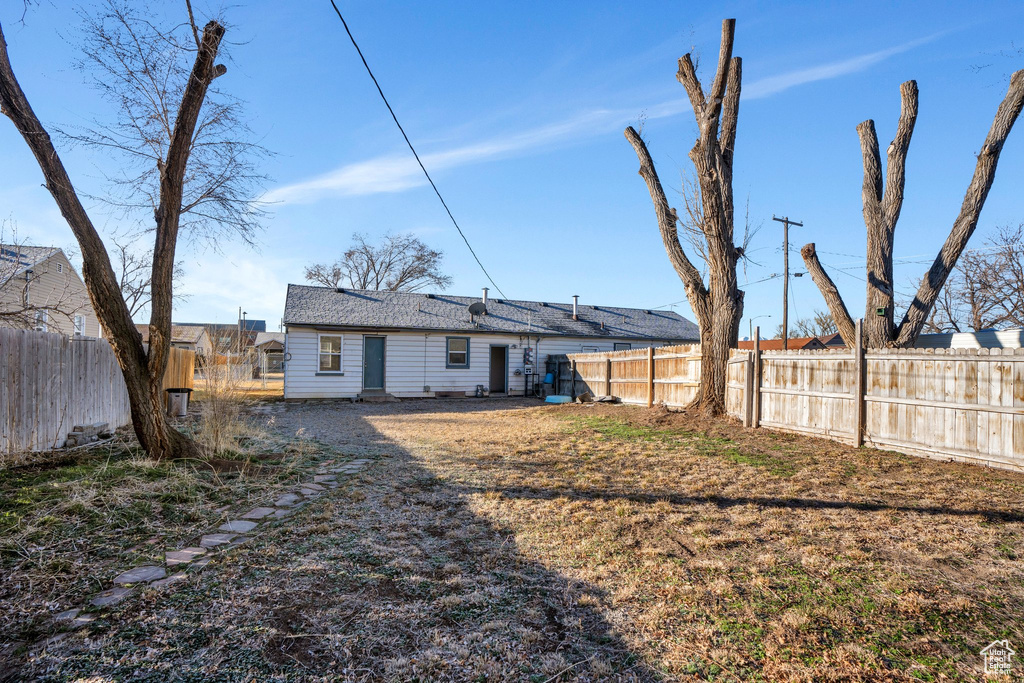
[497, 541]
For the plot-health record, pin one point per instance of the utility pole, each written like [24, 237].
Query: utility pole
[785, 277]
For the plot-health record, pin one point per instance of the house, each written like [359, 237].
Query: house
[269, 348]
[348, 343]
[190, 337]
[794, 344]
[231, 338]
[40, 289]
[987, 339]
[833, 341]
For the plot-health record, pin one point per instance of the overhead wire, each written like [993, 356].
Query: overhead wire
[413, 150]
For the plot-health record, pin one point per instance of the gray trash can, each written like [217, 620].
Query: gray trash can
[177, 402]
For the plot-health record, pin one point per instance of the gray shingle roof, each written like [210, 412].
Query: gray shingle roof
[326, 307]
[264, 337]
[16, 258]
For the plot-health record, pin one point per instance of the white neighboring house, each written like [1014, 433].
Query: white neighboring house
[269, 348]
[989, 339]
[343, 343]
[39, 289]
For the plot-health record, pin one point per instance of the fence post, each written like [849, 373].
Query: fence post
[650, 376]
[748, 391]
[572, 379]
[756, 407]
[608, 376]
[860, 372]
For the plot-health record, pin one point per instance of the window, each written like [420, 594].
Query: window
[330, 353]
[79, 325]
[458, 352]
[589, 349]
[623, 346]
[41, 321]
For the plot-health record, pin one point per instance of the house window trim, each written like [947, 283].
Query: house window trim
[626, 346]
[340, 372]
[41, 321]
[79, 325]
[447, 354]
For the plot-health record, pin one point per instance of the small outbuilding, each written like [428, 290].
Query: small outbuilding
[343, 343]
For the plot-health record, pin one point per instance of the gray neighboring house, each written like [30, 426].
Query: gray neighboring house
[343, 343]
[42, 282]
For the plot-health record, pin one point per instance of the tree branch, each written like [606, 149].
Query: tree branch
[896, 156]
[966, 222]
[840, 315]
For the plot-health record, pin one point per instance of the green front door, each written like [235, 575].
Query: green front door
[373, 362]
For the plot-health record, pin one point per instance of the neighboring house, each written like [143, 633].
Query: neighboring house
[988, 339]
[347, 343]
[269, 348]
[39, 289]
[190, 337]
[833, 341]
[794, 344]
[225, 337]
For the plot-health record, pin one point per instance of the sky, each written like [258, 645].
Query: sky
[518, 111]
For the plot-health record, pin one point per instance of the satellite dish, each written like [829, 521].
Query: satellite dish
[477, 308]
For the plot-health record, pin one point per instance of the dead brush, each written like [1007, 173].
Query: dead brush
[222, 400]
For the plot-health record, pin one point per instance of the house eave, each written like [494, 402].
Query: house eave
[464, 331]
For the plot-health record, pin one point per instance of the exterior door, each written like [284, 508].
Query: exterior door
[373, 362]
[499, 370]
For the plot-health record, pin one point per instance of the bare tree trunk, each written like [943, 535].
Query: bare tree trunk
[143, 372]
[882, 212]
[718, 306]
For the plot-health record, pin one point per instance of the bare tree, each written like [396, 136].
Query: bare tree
[134, 271]
[157, 97]
[399, 263]
[818, 325]
[717, 305]
[986, 289]
[882, 205]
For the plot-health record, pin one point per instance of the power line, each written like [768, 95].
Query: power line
[413, 150]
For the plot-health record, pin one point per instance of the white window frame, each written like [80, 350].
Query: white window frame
[340, 354]
[448, 364]
[42, 320]
[79, 325]
[622, 346]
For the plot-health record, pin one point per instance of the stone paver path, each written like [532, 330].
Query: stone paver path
[229, 535]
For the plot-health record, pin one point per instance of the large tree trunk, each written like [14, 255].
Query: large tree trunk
[143, 371]
[718, 306]
[882, 204]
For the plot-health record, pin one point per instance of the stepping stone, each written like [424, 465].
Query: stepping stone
[176, 557]
[200, 563]
[237, 542]
[83, 619]
[315, 487]
[238, 526]
[143, 574]
[281, 514]
[68, 615]
[223, 509]
[214, 540]
[324, 478]
[287, 500]
[172, 579]
[109, 597]
[309, 493]
[258, 513]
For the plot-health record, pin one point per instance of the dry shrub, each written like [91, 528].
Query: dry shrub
[221, 401]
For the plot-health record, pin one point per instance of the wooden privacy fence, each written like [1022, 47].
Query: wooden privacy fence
[667, 374]
[49, 383]
[961, 404]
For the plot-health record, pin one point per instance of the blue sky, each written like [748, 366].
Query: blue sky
[518, 111]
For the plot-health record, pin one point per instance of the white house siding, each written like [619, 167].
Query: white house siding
[415, 362]
[1004, 339]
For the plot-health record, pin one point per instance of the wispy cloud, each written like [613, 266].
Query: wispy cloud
[772, 85]
[398, 172]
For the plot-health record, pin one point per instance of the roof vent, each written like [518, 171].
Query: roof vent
[431, 296]
[544, 304]
[575, 306]
[340, 290]
[595, 308]
[648, 312]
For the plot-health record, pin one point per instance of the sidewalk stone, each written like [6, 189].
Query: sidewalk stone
[214, 540]
[258, 513]
[286, 500]
[309, 492]
[176, 557]
[315, 487]
[324, 478]
[172, 579]
[110, 597]
[68, 615]
[143, 574]
[238, 526]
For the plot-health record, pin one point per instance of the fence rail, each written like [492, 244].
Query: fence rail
[960, 404]
[49, 383]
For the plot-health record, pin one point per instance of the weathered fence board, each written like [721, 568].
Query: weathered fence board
[50, 382]
[962, 404]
